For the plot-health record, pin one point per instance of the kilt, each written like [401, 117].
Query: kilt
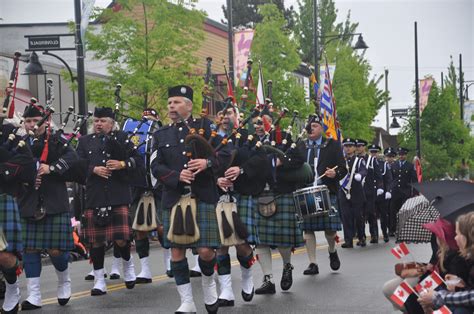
[323, 223]
[246, 207]
[51, 232]
[10, 223]
[207, 222]
[280, 230]
[119, 228]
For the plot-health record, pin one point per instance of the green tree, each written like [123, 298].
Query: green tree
[445, 140]
[277, 53]
[245, 12]
[148, 46]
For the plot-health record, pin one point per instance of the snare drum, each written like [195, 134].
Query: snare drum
[312, 201]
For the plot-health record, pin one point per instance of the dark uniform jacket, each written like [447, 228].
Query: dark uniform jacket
[357, 190]
[52, 194]
[171, 158]
[387, 178]
[373, 180]
[330, 155]
[403, 174]
[97, 149]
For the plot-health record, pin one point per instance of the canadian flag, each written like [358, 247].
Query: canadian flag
[402, 293]
[443, 310]
[429, 283]
[400, 250]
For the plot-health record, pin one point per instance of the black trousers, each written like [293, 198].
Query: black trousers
[353, 220]
[395, 205]
[383, 210]
[371, 216]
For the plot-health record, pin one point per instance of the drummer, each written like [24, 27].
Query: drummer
[325, 156]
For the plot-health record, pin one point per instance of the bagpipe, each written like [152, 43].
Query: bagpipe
[8, 107]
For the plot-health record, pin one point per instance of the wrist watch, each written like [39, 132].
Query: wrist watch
[123, 164]
[209, 163]
[52, 168]
[241, 171]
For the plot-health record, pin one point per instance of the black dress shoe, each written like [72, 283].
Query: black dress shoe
[114, 276]
[362, 243]
[334, 261]
[248, 297]
[12, 311]
[347, 245]
[193, 273]
[386, 239]
[212, 308]
[130, 284]
[312, 269]
[374, 240]
[287, 277]
[26, 306]
[225, 303]
[267, 287]
[97, 292]
[142, 280]
[63, 302]
[169, 273]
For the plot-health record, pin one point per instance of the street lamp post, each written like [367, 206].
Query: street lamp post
[81, 82]
[230, 41]
[417, 98]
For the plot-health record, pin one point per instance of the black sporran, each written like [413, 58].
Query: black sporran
[102, 216]
[267, 205]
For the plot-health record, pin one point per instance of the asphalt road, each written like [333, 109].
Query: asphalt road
[355, 288]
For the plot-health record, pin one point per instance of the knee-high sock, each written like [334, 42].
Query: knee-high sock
[117, 251]
[264, 256]
[331, 238]
[310, 239]
[180, 271]
[60, 261]
[223, 264]
[97, 256]
[285, 253]
[125, 251]
[10, 273]
[142, 247]
[207, 267]
[32, 264]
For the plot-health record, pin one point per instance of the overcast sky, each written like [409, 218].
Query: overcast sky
[445, 28]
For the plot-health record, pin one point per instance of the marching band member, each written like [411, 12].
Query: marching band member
[279, 228]
[404, 174]
[189, 195]
[383, 201]
[242, 177]
[352, 196]
[108, 194]
[328, 154]
[44, 208]
[14, 174]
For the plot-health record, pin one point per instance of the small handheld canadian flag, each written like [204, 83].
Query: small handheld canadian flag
[401, 294]
[400, 250]
[430, 282]
[443, 310]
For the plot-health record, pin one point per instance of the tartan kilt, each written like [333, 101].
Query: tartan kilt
[246, 207]
[10, 223]
[207, 222]
[51, 232]
[119, 228]
[323, 223]
[280, 230]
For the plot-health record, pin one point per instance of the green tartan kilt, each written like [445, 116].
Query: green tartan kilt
[246, 207]
[10, 223]
[51, 232]
[207, 222]
[323, 223]
[281, 229]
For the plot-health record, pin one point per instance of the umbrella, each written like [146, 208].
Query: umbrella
[451, 198]
[415, 212]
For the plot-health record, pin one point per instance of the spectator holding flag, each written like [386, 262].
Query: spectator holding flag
[428, 278]
[459, 296]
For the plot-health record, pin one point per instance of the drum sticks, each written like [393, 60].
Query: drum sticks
[322, 176]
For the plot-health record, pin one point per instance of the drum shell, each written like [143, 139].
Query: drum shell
[312, 201]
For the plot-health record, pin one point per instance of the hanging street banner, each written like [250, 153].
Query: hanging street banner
[425, 87]
[242, 43]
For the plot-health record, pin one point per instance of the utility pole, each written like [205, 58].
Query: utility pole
[230, 42]
[461, 86]
[417, 98]
[386, 101]
[81, 85]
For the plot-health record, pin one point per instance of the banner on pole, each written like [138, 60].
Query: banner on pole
[425, 87]
[242, 43]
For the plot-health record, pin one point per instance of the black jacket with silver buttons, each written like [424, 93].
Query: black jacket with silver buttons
[170, 160]
[402, 177]
[97, 149]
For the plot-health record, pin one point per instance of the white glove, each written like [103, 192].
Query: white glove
[379, 192]
[388, 195]
[357, 177]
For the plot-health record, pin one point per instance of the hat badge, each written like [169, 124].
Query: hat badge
[183, 90]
